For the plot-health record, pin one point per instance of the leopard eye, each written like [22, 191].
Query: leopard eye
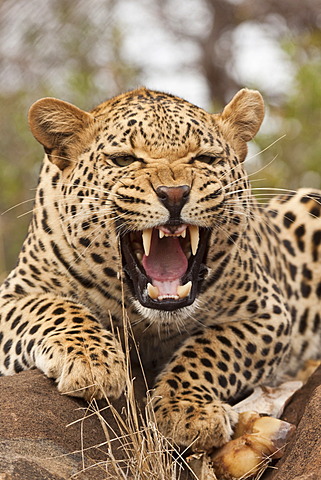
[209, 159]
[123, 160]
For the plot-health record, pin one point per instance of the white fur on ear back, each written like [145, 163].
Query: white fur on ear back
[57, 125]
[242, 118]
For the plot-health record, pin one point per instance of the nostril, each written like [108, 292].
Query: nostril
[186, 191]
[162, 193]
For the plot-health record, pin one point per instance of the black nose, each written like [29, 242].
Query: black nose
[173, 198]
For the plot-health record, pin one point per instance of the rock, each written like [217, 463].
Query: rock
[35, 439]
[48, 436]
[302, 457]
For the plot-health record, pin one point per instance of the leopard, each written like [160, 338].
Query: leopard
[144, 214]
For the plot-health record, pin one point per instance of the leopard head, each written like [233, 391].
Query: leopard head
[164, 173]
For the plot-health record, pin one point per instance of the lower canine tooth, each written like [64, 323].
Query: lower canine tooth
[183, 290]
[152, 291]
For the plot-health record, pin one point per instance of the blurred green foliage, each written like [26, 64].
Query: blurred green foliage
[298, 154]
[19, 163]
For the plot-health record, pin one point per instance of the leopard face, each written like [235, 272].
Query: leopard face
[162, 173]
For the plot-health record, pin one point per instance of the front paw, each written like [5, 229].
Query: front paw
[82, 369]
[191, 422]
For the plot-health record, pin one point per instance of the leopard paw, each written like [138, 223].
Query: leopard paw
[94, 369]
[193, 423]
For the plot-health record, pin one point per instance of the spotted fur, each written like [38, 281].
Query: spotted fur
[149, 160]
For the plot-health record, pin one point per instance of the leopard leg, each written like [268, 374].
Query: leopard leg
[213, 367]
[65, 341]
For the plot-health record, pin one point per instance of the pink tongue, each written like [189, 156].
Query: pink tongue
[166, 260]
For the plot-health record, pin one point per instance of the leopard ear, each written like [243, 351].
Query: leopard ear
[57, 125]
[242, 118]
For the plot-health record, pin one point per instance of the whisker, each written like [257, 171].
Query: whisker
[17, 205]
[264, 167]
[267, 148]
[251, 212]
[275, 189]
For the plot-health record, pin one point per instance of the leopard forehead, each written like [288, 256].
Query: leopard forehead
[161, 124]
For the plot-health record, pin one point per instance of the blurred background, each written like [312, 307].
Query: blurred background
[203, 50]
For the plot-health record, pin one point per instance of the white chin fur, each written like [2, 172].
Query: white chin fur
[183, 318]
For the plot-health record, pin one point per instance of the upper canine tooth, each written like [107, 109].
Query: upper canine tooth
[195, 236]
[161, 233]
[147, 240]
[183, 290]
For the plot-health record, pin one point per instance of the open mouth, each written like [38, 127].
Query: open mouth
[165, 265]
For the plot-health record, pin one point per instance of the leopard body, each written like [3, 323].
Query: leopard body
[249, 307]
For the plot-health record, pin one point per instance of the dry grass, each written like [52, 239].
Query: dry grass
[135, 448]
